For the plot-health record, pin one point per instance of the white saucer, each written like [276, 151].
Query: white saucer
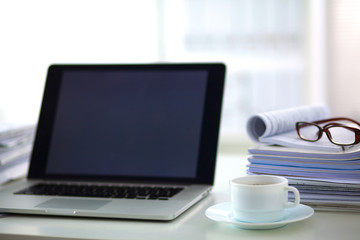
[222, 213]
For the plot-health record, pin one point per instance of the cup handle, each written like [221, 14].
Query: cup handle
[297, 197]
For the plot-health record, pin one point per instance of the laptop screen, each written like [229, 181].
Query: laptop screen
[144, 123]
[125, 122]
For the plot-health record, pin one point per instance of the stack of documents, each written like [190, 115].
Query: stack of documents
[15, 148]
[327, 181]
[327, 176]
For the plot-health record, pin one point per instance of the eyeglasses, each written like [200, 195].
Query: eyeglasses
[338, 133]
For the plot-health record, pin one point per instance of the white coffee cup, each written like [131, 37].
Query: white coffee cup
[261, 198]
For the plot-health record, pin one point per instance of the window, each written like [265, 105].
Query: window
[344, 56]
[262, 42]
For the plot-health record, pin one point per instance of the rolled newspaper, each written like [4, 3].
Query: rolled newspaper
[275, 122]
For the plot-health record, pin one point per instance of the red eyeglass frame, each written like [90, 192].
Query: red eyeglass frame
[326, 128]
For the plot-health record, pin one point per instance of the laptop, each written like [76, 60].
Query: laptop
[133, 141]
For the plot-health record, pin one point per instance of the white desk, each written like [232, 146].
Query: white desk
[193, 224]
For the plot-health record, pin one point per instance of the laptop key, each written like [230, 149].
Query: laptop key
[102, 191]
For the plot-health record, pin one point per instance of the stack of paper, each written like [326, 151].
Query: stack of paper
[326, 175]
[15, 149]
[325, 180]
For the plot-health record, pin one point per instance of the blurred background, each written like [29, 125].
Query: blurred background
[279, 53]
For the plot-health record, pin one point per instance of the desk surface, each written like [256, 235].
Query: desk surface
[193, 224]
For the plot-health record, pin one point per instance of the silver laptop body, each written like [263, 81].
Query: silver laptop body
[149, 126]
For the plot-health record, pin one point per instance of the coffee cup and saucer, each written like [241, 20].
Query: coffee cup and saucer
[260, 202]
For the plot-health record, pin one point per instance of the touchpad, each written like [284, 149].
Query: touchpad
[83, 204]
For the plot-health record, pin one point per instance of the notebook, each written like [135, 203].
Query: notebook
[133, 141]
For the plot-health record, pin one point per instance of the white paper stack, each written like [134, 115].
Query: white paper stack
[327, 181]
[15, 148]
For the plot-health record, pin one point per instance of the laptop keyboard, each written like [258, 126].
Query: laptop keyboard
[102, 191]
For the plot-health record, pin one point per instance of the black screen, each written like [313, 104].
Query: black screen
[128, 123]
